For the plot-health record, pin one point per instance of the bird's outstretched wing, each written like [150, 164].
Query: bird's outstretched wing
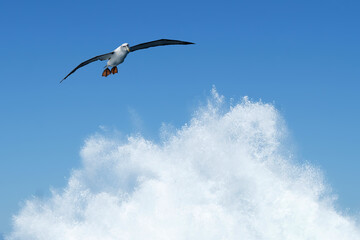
[100, 57]
[161, 42]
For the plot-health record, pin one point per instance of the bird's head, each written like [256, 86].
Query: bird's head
[125, 46]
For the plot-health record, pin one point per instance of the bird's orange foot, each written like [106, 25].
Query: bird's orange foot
[114, 70]
[106, 72]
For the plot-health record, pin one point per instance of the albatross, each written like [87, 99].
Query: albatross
[119, 54]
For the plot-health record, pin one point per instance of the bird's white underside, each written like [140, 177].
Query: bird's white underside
[118, 56]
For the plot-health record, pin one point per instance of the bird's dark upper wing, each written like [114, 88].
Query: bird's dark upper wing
[100, 57]
[161, 42]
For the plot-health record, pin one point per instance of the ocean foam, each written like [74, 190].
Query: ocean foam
[224, 175]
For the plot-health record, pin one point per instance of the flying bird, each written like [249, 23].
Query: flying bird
[119, 54]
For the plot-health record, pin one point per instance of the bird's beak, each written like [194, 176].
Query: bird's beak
[128, 48]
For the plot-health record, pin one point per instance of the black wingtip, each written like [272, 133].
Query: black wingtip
[178, 41]
[185, 42]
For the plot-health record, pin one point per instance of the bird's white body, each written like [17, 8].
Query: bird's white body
[119, 55]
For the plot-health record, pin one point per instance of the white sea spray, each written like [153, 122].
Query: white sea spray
[224, 175]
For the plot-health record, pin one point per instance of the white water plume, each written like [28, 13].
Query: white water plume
[225, 175]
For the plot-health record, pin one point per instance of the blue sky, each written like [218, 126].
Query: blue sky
[303, 56]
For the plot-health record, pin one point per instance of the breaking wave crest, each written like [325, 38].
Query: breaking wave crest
[225, 175]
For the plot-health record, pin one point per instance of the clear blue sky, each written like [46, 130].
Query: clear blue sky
[303, 56]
